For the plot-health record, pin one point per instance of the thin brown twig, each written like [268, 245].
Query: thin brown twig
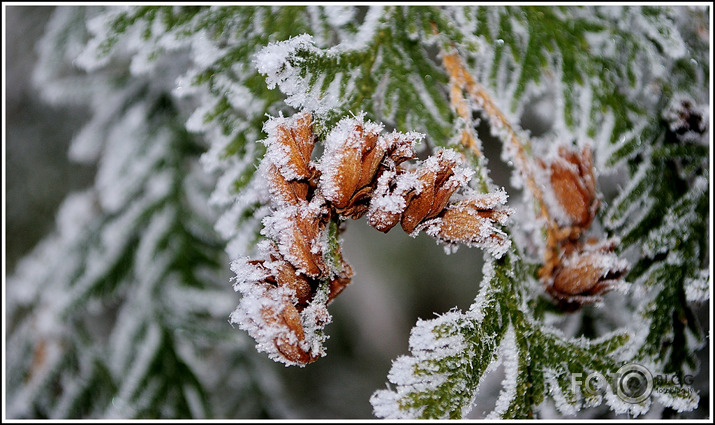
[577, 190]
[460, 81]
[465, 82]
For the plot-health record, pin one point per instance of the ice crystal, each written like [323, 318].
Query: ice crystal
[313, 116]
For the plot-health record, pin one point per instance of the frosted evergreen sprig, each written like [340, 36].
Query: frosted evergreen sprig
[667, 196]
[623, 88]
[336, 80]
[452, 354]
[293, 83]
[220, 78]
[665, 204]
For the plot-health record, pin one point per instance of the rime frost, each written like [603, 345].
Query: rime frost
[698, 289]
[273, 62]
[626, 83]
[509, 353]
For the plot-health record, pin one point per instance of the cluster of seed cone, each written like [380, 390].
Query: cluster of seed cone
[576, 273]
[361, 172]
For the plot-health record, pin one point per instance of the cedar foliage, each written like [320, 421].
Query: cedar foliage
[117, 313]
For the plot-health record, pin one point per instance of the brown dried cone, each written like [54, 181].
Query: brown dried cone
[281, 307]
[284, 304]
[586, 273]
[471, 222]
[290, 338]
[389, 198]
[574, 186]
[574, 189]
[411, 197]
[285, 192]
[300, 220]
[439, 181]
[267, 311]
[574, 273]
[275, 296]
[418, 199]
[290, 145]
[354, 156]
[280, 272]
[298, 230]
[290, 174]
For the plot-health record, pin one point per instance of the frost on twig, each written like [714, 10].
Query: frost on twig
[362, 171]
[565, 193]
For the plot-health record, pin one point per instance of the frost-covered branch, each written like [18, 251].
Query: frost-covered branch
[304, 118]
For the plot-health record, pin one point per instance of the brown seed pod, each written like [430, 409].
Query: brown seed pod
[471, 222]
[285, 192]
[284, 274]
[280, 307]
[390, 197]
[574, 186]
[349, 164]
[290, 335]
[413, 196]
[290, 145]
[586, 273]
[438, 183]
[297, 231]
[575, 273]
[287, 167]
[354, 157]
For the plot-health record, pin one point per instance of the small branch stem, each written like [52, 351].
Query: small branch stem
[462, 81]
